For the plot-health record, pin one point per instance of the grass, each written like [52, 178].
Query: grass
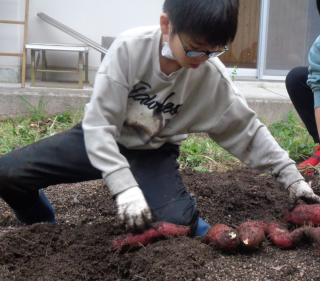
[36, 125]
[293, 137]
[198, 151]
[201, 153]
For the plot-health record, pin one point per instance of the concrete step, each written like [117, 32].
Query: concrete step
[269, 100]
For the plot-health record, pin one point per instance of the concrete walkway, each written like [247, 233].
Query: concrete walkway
[269, 100]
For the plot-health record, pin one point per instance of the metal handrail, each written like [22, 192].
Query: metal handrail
[72, 32]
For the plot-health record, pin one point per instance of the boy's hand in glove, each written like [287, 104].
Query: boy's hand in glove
[133, 210]
[301, 190]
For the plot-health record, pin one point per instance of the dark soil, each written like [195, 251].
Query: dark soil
[78, 247]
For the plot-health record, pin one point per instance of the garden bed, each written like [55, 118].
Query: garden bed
[78, 247]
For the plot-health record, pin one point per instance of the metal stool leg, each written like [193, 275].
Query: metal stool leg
[86, 68]
[80, 70]
[44, 66]
[33, 77]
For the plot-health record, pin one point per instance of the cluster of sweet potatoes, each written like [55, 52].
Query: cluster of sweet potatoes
[249, 236]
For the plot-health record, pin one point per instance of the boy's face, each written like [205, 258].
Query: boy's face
[181, 43]
[177, 47]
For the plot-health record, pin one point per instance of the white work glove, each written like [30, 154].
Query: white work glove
[133, 210]
[301, 190]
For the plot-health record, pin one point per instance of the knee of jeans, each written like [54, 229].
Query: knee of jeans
[6, 174]
[294, 76]
[187, 216]
[187, 220]
[3, 170]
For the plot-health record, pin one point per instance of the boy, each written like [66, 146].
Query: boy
[155, 85]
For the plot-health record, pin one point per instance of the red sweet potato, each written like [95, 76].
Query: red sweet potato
[222, 238]
[303, 215]
[281, 237]
[264, 225]
[158, 231]
[313, 233]
[251, 236]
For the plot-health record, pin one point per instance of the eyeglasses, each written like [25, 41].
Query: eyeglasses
[197, 54]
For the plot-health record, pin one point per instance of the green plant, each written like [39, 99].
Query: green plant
[202, 169]
[24, 130]
[202, 154]
[36, 113]
[292, 137]
[234, 72]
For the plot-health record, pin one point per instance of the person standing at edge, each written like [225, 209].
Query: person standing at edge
[155, 85]
[303, 86]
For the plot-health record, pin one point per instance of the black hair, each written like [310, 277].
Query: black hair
[318, 5]
[214, 20]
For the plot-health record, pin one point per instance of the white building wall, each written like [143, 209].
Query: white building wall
[91, 18]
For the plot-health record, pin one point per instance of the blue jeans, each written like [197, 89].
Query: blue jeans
[63, 159]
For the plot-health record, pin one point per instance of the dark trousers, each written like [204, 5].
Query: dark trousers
[63, 159]
[302, 98]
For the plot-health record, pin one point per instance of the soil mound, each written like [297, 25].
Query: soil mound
[78, 247]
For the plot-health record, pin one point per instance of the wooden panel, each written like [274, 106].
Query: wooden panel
[244, 50]
[11, 55]
[24, 54]
[25, 39]
[11, 22]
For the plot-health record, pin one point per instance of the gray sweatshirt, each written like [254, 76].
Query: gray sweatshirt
[138, 106]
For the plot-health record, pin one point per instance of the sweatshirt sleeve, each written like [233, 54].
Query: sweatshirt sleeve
[243, 135]
[314, 70]
[103, 120]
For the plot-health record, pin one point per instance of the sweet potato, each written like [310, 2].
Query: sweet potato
[313, 233]
[303, 215]
[222, 238]
[251, 236]
[158, 231]
[281, 237]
